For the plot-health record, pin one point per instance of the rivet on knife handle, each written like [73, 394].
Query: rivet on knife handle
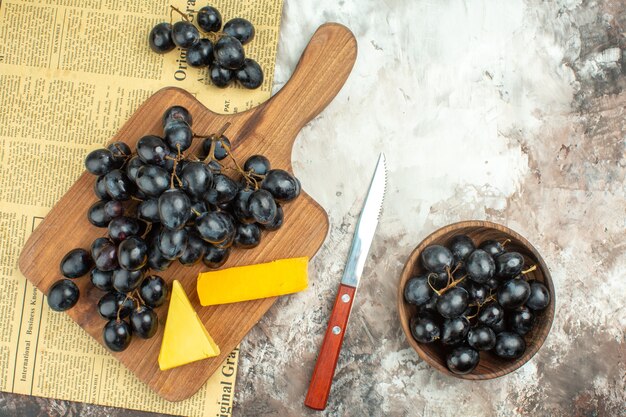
[322, 378]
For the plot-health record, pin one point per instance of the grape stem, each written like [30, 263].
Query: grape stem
[148, 228]
[136, 292]
[217, 137]
[177, 10]
[119, 309]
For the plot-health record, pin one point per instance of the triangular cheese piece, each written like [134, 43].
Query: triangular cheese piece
[185, 339]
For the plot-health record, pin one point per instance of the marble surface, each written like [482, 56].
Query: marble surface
[511, 111]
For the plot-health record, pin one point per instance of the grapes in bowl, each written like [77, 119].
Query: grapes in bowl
[476, 300]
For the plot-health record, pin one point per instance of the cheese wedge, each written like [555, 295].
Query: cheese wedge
[185, 339]
[252, 282]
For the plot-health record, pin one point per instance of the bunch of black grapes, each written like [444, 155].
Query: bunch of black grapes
[474, 299]
[159, 206]
[221, 51]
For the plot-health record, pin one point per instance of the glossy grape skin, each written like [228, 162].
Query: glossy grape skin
[229, 53]
[177, 134]
[490, 314]
[113, 209]
[132, 253]
[215, 227]
[492, 283]
[148, 210]
[63, 295]
[197, 179]
[499, 326]
[100, 162]
[480, 266]
[172, 243]
[153, 291]
[120, 151]
[200, 54]
[481, 338]
[424, 328]
[220, 76]
[247, 236]
[156, 260]
[454, 331]
[492, 247]
[122, 227]
[240, 206]
[133, 166]
[152, 150]
[239, 28]
[436, 258]
[97, 244]
[215, 257]
[513, 293]
[438, 280]
[117, 335]
[224, 190]
[257, 165]
[160, 38]
[228, 242]
[105, 256]
[417, 291]
[102, 280]
[453, 302]
[461, 247]
[152, 180]
[250, 75]
[118, 185]
[462, 360]
[100, 189]
[184, 34]
[174, 209]
[125, 281]
[177, 113]
[262, 206]
[478, 293]
[521, 320]
[197, 209]
[209, 19]
[194, 250]
[509, 345]
[111, 302]
[221, 148]
[509, 264]
[144, 322]
[539, 297]
[97, 216]
[278, 220]
[76, 263]
[283, 186]
[430, 306]
[219, 153]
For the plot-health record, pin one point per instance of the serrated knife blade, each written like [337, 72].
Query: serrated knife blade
[366, 226]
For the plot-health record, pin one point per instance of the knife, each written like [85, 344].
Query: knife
[319, 388]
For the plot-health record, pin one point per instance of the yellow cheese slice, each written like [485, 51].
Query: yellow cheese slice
[251, 282]
[185, 339]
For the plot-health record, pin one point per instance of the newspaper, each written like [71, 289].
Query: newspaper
[71, 73]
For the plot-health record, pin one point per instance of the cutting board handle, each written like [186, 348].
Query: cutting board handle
[321, 72]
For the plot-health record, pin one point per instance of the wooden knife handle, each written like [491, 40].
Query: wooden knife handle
[319, 388]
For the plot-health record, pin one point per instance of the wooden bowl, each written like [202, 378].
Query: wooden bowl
[490, 365]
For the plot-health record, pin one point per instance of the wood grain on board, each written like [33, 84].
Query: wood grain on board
[269, 129]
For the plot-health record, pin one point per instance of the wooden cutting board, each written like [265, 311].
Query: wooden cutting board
[269, 129]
